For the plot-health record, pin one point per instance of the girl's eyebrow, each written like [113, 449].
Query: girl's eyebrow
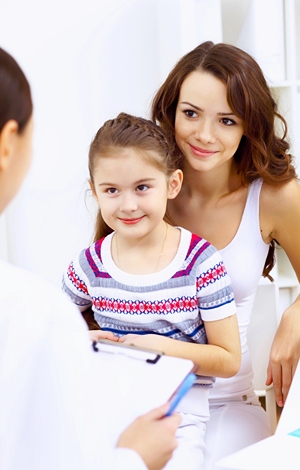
[200, 109]
[136, 183]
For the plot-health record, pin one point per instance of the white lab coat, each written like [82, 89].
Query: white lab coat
[52, 414]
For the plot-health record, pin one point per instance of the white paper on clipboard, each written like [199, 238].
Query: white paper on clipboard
[133, 381]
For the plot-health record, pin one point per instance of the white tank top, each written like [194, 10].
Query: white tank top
[244, 259]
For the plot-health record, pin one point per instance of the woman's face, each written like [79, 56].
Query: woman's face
[206, 130]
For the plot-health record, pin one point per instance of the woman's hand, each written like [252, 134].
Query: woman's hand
[285, 353]
[152, 436]
[95, 335]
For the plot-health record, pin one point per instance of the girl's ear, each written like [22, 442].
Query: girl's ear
[175, 183]
[8, 136]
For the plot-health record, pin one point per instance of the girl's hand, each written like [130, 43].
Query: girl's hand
[149, 341]
[95, 335]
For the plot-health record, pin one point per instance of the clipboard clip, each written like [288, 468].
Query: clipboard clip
[148, 355]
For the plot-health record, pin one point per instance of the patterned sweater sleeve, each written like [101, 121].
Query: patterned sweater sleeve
[214, 289]
[75, 283]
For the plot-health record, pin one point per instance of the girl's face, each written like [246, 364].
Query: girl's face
[132, 193]
[206, 130]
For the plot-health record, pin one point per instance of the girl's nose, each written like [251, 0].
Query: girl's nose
[128, 203]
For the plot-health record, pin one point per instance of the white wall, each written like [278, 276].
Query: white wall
[86, 62]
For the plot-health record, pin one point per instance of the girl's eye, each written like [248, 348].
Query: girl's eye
[227, 122]
[111, 190]
[142, 187]
[190, 113]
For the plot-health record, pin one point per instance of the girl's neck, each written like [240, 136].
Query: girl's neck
[148, 254]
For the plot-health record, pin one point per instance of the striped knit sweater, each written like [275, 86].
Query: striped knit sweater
[172, 302]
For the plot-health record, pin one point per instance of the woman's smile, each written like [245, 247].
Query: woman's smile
[200, 152]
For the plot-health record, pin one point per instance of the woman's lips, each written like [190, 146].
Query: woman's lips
[199, 152]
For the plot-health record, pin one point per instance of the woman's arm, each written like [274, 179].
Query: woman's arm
[220, 358]
[281, 210]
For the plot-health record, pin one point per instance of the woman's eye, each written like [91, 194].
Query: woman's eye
[227, 122]
[190, 113]
[142, 187]
[111, 190]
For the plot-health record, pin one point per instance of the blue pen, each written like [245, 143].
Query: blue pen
[180, 392]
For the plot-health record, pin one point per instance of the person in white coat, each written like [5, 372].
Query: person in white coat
[49, 418]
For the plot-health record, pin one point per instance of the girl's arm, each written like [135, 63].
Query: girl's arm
[281, 210]
[220, 358]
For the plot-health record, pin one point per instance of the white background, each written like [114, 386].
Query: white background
[86, 62]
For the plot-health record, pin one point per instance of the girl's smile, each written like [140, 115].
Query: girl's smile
[131, 221]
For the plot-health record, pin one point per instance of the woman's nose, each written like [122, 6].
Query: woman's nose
[205, 131]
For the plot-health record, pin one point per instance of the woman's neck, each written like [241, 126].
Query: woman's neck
[211, 185]
[209, 200]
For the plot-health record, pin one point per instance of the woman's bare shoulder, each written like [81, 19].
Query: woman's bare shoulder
[284, 196]
[279, 208]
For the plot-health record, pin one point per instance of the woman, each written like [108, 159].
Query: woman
[48, 415]
[239, 192]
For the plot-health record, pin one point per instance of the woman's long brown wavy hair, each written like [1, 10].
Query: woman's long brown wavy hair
[263, 151]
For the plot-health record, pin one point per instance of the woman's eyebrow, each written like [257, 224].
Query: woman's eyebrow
[230, 113]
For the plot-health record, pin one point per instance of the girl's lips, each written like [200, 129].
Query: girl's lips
[131, 221]
[199, 152]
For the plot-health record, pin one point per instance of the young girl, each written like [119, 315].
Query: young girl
[149, 283]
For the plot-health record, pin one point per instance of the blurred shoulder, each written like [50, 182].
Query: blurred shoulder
[24, 290]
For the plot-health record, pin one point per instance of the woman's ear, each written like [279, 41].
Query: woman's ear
[8, 136]
[175, 183]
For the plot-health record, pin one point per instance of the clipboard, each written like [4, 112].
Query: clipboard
[139, 379]
[111, 347]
